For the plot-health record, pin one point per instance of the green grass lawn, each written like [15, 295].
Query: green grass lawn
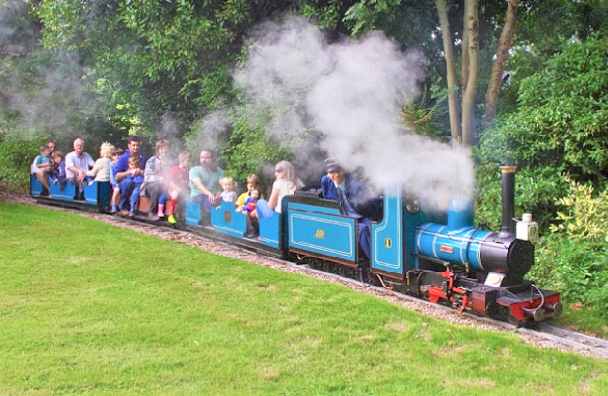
[89, 308]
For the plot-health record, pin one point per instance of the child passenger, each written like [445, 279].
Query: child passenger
[101, 169]
[41, 167]
[137, 179]
[227, 195]
[116, 153]
[251, 202]
[58, 168]
[178, 183]
[253, 183]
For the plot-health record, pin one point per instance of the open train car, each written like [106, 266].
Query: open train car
[96, 195]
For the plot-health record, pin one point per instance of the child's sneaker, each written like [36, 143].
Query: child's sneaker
[172, 219]
[131, 214]
[114, 209]
[250, 233]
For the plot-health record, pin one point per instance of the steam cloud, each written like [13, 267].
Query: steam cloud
[346, 98]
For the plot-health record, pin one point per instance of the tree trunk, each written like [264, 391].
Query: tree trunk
[505, 43]
[448, 49]
[469, 90]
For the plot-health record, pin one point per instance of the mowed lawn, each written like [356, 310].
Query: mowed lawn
[90, 308]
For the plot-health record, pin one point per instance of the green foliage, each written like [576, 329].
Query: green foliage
[535, 192]
[17, 152]
[250, 149]
[559, 129]
[585, 214]
[577, 268]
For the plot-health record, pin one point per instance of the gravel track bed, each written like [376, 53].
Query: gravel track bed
[221, 249]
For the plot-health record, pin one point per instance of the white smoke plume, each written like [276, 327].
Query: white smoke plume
[347, 98]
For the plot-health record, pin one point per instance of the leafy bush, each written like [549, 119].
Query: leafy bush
[585, 214]
[16, 155]
[535, 192]
[558, 130]
[575, 268]
[574, 259]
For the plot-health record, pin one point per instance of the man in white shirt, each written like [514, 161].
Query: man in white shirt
[77, 163]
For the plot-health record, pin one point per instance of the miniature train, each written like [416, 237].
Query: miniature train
[441, 257]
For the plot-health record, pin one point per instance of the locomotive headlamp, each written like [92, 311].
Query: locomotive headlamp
[527, 230]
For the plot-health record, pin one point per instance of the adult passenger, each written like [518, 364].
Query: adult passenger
[51, 145]
[122, 170]
[156, 184]
[355, 200]
[204, 184]
[77, 163]
[286, 183]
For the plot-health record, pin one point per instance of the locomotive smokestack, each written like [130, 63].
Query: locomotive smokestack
[508, 201]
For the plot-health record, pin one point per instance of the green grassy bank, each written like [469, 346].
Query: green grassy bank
[89, 308]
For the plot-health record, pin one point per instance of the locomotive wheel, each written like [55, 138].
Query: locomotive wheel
[492, 309]
[513, 320]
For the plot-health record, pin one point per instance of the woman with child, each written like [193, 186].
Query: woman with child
[286, 183]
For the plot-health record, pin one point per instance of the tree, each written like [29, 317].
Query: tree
[504, 45]
[470, 63]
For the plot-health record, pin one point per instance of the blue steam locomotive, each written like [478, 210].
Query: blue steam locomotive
[441, 257]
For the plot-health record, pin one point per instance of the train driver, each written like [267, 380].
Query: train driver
[355, 199]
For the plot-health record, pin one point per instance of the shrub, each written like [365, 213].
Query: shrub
[17, 153]
[585, 214]
[577, 269]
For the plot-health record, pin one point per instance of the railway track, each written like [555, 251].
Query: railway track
[573, 340]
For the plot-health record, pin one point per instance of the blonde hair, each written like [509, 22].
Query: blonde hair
[106, 150]
[228, 181]
[183, 155]
[288, 172]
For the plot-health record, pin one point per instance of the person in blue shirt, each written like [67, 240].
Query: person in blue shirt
[355, 199]
[122, 170]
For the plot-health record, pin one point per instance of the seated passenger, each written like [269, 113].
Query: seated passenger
[227, 194]
[51, 145]
[136, 178]
[101, 169]
[58, 170]
[253, 183]
[156, 180]
[286, 183]
[251, 202]
[355, 200]
[116, 153]
[77, 163]
[204, 184]
[178, 184]
[122, 171]
[41, 168]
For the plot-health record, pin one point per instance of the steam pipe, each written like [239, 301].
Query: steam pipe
[508, 201]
